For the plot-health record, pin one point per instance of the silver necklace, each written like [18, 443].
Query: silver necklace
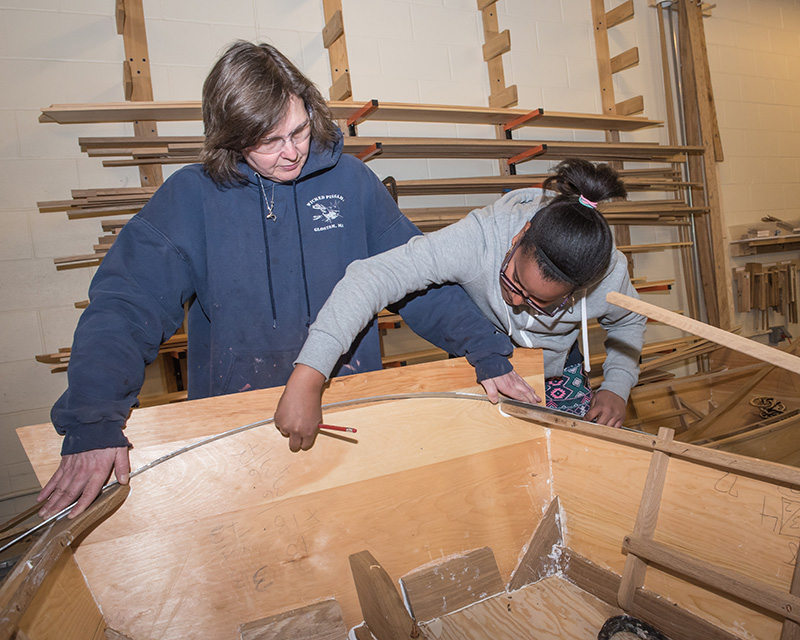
[270, 203]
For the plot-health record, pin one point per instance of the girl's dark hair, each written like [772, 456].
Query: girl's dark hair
[568, 238]
[245, 96]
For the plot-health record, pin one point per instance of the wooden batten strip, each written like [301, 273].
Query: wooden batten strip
[497, 46]
[742, 465]
[646, 520]
[456, 583]
[383, 609]
[730, 582]
[625, 60]
[542, 557]
[333, 29]
[720, 336]
[483, 4]
[619, 14]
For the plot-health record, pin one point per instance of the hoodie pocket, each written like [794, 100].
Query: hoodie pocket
[253, 369]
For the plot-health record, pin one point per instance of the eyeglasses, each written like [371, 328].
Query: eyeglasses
[276, 143]
[550, 310]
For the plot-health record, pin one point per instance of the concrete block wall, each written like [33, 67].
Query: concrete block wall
[67, 51]
[754, 55]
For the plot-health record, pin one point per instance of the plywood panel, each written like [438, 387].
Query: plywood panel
[63, 607]
[275, 552]
[737, 523]
[552, 609]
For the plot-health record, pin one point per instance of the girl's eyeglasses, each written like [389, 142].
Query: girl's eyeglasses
[550, 310]
[274, 145]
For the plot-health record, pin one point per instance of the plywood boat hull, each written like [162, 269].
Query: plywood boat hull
[242, 529]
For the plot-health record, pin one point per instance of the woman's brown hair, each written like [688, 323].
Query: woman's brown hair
[245, 96]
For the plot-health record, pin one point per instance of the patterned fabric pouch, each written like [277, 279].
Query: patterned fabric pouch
[570, 392]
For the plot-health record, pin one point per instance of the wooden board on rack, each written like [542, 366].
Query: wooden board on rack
[342, 110]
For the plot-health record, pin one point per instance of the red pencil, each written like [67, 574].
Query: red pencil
[333, 427]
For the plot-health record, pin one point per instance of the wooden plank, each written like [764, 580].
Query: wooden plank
[317, 621]
[383, 608]
[497, 45]
[166, 111]
[730, 582]
[752, 348]
[646, 519]
[458, 582]
[707, 107]
[542, 555]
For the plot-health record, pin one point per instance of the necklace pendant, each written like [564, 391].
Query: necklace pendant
[271, 216]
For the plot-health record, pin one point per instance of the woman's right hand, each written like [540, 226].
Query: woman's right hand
[299, 410]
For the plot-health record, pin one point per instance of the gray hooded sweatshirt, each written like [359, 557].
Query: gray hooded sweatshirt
[470, 252]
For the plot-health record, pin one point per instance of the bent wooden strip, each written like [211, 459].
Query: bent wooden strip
[720, 336]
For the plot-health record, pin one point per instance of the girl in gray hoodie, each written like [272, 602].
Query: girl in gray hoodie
[538, 267]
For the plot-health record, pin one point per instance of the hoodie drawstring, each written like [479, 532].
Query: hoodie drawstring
[263, 202]
[585, 334]
[302, 256]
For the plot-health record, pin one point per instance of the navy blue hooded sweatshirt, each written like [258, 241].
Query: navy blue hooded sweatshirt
[253, 284]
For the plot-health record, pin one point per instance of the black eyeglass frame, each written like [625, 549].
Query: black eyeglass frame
[550, 311]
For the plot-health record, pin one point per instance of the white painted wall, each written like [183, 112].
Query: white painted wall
[67, 51]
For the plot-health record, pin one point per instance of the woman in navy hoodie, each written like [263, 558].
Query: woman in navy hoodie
[252, 241]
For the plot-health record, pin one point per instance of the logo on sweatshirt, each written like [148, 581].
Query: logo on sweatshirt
[326, 211]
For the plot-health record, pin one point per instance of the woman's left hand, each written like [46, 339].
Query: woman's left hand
[606, 408]
[512, 385]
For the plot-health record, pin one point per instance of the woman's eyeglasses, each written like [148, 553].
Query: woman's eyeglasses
[550, 310]
[276, 144]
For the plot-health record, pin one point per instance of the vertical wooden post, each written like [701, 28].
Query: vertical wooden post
[136, 76]
[499, 94]
[646, 520]
[710, 232]
[334, 40]
[622, 232]
[687, 260]
[692, 35]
